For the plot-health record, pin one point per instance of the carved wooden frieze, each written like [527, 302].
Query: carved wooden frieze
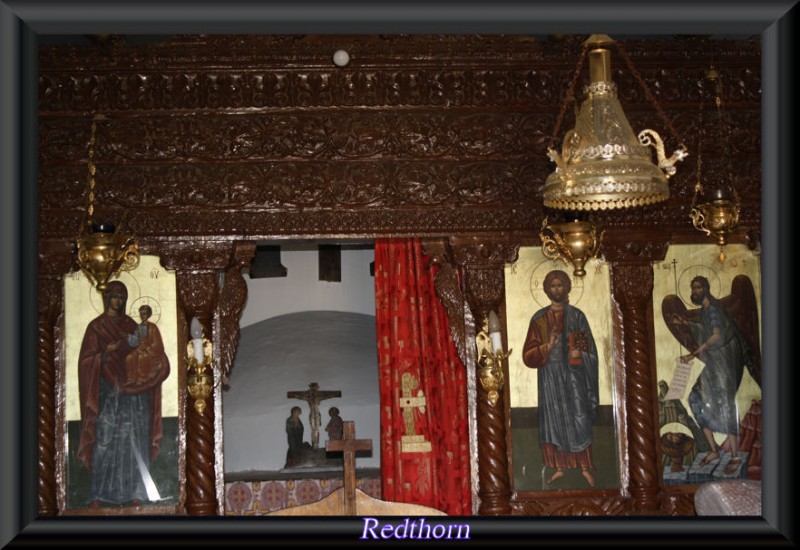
[281, 72]
[340, 135]
[294, 185]
[192, 256]
[573, 507]
[261, 136]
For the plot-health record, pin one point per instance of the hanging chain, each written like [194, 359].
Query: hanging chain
[649, 94]
[698, 188]
[569, 98]
[92, 172]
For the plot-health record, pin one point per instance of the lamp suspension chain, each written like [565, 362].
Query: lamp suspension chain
[570, 96]
[92, 172]
[649, 95]
[698, 187]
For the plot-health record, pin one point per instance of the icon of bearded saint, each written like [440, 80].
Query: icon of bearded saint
[723, 334]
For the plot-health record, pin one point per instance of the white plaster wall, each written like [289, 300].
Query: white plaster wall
[296, 330]
[301, 289]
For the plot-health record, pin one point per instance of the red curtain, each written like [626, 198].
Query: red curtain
[432, 467]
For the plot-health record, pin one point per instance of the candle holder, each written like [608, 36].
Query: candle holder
[490, 357]
[573, 242]
[103, 249]
[715, 209]
[104, 252]
[199, 382]
[490, 373]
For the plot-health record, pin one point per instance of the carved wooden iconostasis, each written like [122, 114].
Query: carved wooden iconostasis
[211, 144]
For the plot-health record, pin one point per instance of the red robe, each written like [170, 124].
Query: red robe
[103, 330]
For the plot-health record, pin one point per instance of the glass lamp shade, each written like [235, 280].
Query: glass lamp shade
[604, 165]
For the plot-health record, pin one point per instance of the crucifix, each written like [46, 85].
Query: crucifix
[349, 445]
[313, 396]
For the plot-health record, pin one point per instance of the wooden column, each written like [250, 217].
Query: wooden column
[209, 288]
[482, 261]
[633, 292]
[55, 261]
[197, 294]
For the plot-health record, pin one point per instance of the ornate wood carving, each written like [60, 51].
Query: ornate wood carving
[233, 296]
[448, 290]
[51, 305]
[633, 289]
[482, 262]
[483, 259]
[215, 142]
[412, 148]
[623, 249]
[55, 261]
[678, 504]
[197, 292]
[217, 303]
[573, 507]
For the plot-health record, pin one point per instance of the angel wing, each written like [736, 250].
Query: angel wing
[742, 308]
[675, 316]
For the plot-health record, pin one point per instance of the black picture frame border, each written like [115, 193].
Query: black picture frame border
[23, 22]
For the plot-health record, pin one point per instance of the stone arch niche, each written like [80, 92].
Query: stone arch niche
[213, 143]
[285, 353]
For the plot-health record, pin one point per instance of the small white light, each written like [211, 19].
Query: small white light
[341, 58]
[196, 330]
[494, 332]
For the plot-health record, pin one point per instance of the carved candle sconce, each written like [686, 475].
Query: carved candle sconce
[490, 359]
[199, 352]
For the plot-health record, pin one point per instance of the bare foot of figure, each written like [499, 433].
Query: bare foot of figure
[558, 474]
[709, 458]
[589, 477]
[733, 465]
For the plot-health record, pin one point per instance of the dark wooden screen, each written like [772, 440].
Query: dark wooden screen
[212, 143]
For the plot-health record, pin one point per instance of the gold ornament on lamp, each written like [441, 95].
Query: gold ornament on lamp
[715, 211]
[103, 250]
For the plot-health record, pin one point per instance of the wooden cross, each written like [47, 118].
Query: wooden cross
[349, 445]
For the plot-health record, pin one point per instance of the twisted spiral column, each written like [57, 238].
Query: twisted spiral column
[201, 498]
[50, 306]
[482, 260]
[198, 293]
[495, 487]
[633, 290]
[494, 483]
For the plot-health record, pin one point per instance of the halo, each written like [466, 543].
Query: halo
[130, 282]
[150, 301]
[538, 274]
[685, 282]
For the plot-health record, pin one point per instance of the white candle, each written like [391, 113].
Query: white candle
[197, 339]
[494, 332]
